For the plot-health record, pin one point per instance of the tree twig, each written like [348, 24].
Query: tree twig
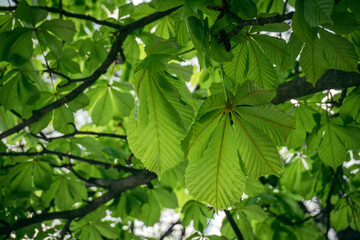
[88, 81]
[71, 15]
[121, 185]
[76, 132]
[69, 156]
[331, 79]
[233, 225]
[260, 21]
[170, 230]
[65, 229]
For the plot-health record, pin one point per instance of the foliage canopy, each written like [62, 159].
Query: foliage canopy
[111, 112]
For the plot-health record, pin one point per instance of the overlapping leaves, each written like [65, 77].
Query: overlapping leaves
[156, 132]
[233, 137]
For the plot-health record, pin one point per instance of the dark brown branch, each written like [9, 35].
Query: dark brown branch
[331, 79]
[260, 22]
[76, 132]
[148, 19]
[233, 225]
[72, 15]
[69, 156]
[37, 114]
[88, 81]
[170, 230]
[291, 223]
[65, 229]
[121, 185]
[328, 203]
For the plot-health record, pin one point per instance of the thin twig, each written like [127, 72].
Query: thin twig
[65, 229]
[72, 15]
[170, 230]
[233, 225]
[69, 156]
[88, 81]
[285, 5]
[121, 185]
[260, 21]
[76, 132]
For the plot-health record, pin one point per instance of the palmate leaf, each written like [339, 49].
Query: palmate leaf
[260, 69]
[156, 133]
[313, 61]
[339, 52]
[318, 11]
[230, 138]
[107, 101]
[274, 48]
[336, 142]
[237, 68]
[216, 177]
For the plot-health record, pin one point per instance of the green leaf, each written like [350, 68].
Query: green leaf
[165, 198]
[107, 231]
[274, 48]
[196, 32]
[259, 155]
[340, 217]
[300, 27]
[331, 150]
[131, 49]
[219, 53]
[150, 213]
[156, 134]
[196, 212]
[16, 46]
[253, 187]
[253, 212]
[29, 14]
[317, 12]
[297, 179]
[197, 140]
[98, 54]
[260, 69]
[269, 119]
[223, 128]
[63, 29]
[313, 61]
[7, 119]
[106, 101]
[6, 22]
[339, 52]
[42, 174]
[238, 67]
[48, 40]
[216, 177]
[63, 120]
[69, 192]
[351, 105]
[19, 179]
[17, 87]
[293, 49]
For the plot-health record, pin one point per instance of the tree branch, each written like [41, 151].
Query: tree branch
[121, 185]
[76, 132]
[70, 14]
[88, 81]
[331, 79]
[69, 156]
[65, 229]
[259, 21]
[233, 225]
[170, 230]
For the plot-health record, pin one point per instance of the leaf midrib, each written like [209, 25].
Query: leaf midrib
[246, 132]
[218, 162]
